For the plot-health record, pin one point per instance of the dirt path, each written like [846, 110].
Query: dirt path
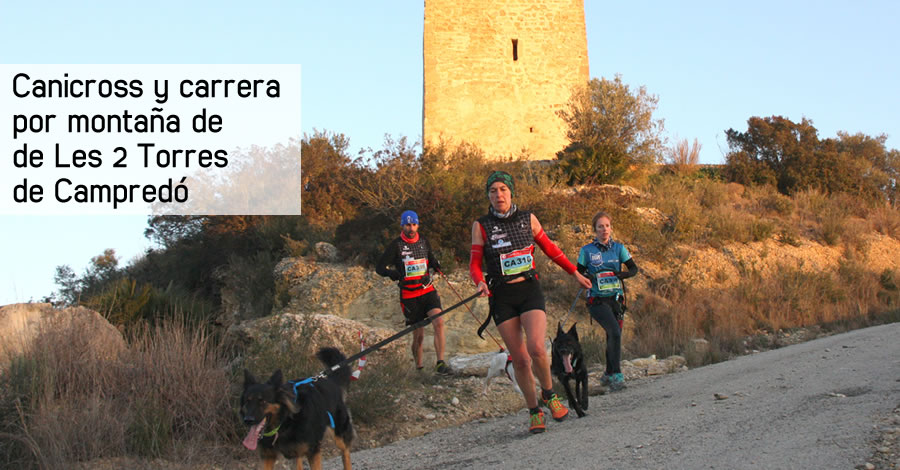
[811, 405]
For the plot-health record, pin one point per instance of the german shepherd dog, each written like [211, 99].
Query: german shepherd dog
[568, 363]
[294, 424]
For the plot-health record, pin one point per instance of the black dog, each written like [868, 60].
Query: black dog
[568, 363]
[291, 418]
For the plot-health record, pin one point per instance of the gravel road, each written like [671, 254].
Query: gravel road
[810, 405]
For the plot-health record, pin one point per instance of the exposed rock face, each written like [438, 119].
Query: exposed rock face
[711, 267]
[314, 329]
[357, 293]
[326, 252]
[20, 324]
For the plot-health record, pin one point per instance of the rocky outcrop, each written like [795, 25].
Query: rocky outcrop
[313, 330]
[357, 293]
[326, 252]
[20, 324]
[721, 267]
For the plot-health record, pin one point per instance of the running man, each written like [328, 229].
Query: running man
[407, 260]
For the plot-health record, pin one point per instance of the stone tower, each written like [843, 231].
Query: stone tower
[497, 71]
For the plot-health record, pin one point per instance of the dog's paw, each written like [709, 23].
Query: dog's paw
[581, 414]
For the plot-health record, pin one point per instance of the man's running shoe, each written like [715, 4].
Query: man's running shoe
[557, 410]
[442, 368]
[616, 382]
[605, 380]
[536, 423]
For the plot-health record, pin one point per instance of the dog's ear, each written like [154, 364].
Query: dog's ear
[249, 379]
[559, 329]
[574, 331]
[276, 379]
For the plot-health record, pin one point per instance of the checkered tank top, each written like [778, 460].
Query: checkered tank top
[508, 246]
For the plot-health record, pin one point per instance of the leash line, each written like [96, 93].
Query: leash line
[575, 301]
[447, 281]
[398, 335]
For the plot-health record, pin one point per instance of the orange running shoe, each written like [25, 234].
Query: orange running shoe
[557, 410]
[536, 423]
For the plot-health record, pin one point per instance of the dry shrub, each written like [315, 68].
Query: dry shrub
[593, 346]
[727, 225]
[683, 157]
[885, 220]
[390, 376]
[809, 204]
[658, 328]
[181, 373]
[169, 388]
[710, 193]
[276, 349]
[686, 220]
[773, 202]
[643, 238]
[665, 320]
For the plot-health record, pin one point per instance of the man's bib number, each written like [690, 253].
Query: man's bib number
[518, 261]
[415, 267]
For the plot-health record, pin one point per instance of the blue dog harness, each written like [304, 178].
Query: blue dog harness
[310, 380]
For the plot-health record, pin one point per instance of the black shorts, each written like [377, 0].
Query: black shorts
[417, 308]
[511, 300]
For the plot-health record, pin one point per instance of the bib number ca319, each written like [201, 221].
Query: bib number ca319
[517, 261]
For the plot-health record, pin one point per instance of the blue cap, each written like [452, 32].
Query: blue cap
[409, 217]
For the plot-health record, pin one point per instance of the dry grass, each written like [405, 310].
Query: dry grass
[684, 157]
[791, 298]
[169, 389]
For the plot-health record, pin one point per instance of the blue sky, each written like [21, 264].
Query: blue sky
[712, 64]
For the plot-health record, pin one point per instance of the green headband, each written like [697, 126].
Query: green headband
[502, 177]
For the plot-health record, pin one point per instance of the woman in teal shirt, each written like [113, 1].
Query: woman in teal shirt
[601, 261]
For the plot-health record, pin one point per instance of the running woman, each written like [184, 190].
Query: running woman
[504, 240]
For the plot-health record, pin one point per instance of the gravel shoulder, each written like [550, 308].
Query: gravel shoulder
[817, 404]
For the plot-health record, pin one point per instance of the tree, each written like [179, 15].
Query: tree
[774, 146]
[611, 131]
[102, 270]
[326, 172]
[776, 150]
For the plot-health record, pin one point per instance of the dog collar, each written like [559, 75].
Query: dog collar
[273, 432]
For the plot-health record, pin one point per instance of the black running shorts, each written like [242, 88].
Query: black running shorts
[511, 300]
[417, 308]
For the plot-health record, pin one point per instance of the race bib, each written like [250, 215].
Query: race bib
[517, 261]
[415, 267]
[608, 282]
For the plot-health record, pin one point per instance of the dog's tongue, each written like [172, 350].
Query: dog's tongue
[253, 436]
[567, 363]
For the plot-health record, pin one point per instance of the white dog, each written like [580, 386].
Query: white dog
[500, 365]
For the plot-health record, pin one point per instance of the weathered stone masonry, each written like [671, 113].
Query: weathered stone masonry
[497, 71]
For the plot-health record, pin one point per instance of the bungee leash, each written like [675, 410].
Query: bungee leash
[469, 309]
[575, 301]
[399, 334]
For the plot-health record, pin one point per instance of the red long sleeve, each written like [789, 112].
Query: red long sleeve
[475, 264]
[553, 251]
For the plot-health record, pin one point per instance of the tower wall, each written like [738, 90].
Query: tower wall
[476, 91]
